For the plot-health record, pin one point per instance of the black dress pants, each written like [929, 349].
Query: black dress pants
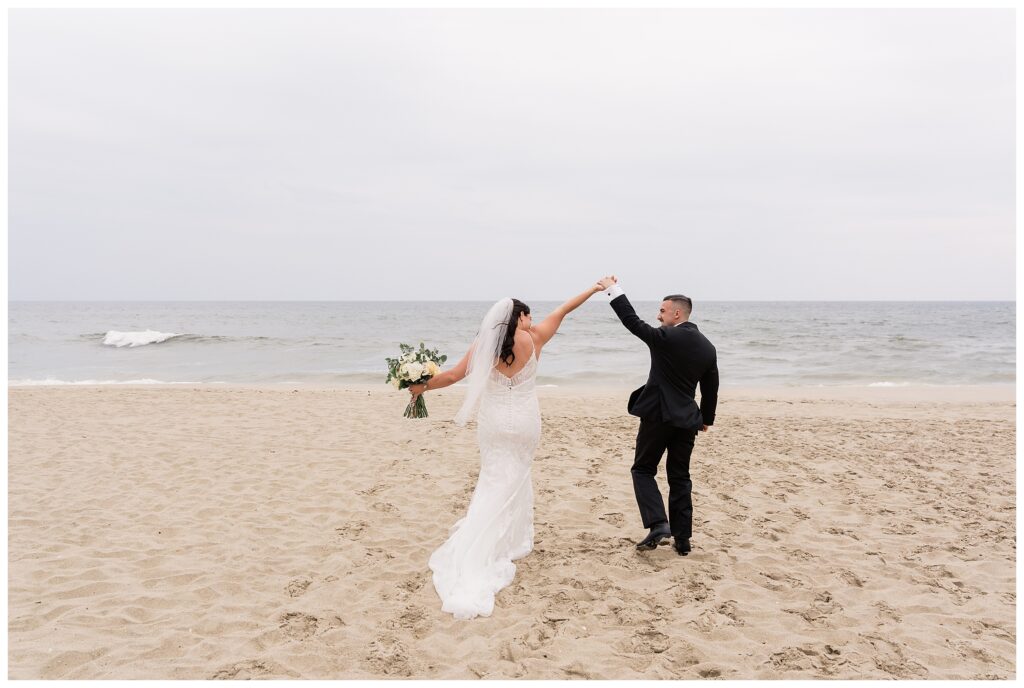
[652, 440]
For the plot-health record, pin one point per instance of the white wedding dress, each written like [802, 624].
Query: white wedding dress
[475, 562]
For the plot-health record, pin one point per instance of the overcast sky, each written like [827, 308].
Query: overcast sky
[470, 154]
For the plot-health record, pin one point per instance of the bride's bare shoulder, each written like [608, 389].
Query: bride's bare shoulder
[535, 341]
[525, 341]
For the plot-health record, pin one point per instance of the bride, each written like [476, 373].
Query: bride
[475, 562]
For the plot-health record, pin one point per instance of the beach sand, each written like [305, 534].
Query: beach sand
[275, 533]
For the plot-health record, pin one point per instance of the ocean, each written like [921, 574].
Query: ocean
[324, 343]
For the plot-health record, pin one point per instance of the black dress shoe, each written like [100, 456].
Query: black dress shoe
[654, 538]
[682, 547]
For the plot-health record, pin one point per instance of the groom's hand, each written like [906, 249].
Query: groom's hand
[704, 428]
[607, 282]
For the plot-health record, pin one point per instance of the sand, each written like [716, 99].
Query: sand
[270, 533]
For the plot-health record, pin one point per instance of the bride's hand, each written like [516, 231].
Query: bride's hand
[416, 390]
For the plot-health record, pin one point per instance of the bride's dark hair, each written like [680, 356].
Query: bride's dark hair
[518, 308]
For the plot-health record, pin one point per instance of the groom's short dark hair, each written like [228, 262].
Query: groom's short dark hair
[682, 302]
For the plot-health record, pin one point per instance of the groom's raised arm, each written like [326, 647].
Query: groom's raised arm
[624, 309]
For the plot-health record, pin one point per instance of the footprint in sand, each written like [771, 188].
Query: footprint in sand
[766, 528]
[890, 658]
[523, 646]
[645, 641]
[983, 628]
[944, 581]
[896, 528]
[726, 614]
[250, 668]
[414, 619]
[637, 612]
[798, 554]
[352, 530]
[379, 487]
[887, 612]
[580, 670]
[969, 651]
[299, 626]
[413, 582]
[693, 591]
[298, 586]
[850, 577]
[778, 581]
[819, 611]
[387, 655]
[842, 531]
[480, 669]
[615, 518]
[815, 657]
[799, 513]
[730, 610]
[563, 605]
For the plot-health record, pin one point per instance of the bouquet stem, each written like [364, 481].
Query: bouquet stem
[416, 408]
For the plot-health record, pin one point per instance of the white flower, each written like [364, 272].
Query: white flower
[396, 383]
[414, 370]
[432, 368]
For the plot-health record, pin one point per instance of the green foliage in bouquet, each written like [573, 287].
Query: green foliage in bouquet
[414, 367]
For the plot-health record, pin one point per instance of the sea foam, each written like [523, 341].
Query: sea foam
[132, 339]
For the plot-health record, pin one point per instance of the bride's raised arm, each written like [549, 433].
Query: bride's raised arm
[443, 379]
[543, 332]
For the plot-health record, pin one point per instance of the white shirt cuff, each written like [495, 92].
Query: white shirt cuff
[613, 291]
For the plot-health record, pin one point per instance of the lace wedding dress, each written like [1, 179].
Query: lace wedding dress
[476, 560]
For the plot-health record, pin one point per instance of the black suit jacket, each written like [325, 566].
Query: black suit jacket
[681, 357]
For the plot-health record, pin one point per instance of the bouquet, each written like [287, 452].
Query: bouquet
[414, 367]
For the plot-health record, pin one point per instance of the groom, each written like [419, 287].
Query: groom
[681, 357]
